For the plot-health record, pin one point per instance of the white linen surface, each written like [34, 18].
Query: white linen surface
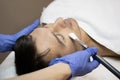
[7, 70]
[99, 18]
[7, 67]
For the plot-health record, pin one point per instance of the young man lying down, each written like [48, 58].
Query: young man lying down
[50, 41]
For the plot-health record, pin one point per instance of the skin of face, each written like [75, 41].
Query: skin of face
[53, 40]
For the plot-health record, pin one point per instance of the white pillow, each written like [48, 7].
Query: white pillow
[7, 67]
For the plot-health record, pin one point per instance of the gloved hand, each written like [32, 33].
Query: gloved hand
[79, 62]
[7, 41]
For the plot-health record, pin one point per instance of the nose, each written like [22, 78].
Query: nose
[59, 24]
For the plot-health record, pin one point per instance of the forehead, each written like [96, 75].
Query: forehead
[43, 39]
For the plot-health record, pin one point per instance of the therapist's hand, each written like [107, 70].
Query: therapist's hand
[7, 41]
[79, 62]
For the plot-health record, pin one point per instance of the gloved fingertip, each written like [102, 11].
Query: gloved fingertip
[95, 49]
[94, 64]
[54, 61]
[37, 21]
[92, 50]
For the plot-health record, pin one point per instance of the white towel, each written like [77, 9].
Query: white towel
[99, 18]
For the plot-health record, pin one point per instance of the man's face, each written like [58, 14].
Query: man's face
[53, 41]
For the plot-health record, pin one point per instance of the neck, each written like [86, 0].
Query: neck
[103, 51]
[85, 38]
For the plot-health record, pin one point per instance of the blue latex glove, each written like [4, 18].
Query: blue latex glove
[79, 62]
[7, 41]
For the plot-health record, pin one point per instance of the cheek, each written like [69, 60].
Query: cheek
[54, 52]
[68, 50]
[50, 56]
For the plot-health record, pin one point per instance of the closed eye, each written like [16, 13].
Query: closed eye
[58, 38]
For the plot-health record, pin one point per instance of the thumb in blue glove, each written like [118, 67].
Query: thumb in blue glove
[7, 41]
[79, 62]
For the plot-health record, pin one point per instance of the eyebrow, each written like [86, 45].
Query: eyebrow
[59, 41]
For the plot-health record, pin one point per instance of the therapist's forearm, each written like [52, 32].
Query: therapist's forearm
[59, 71]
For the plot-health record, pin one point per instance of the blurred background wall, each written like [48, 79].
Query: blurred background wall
[17, 14]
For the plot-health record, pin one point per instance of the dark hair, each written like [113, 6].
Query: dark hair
[26, 57]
